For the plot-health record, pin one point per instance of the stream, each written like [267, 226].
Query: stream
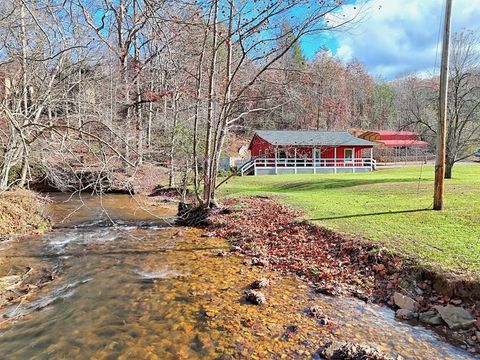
[129, 285]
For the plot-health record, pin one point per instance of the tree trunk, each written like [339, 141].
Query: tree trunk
[149, 123]
[171, 177]
[318, 118]
[216, 165]
[24, 173]
[4, 172]
[10, 158]
[198, 94]
[139, 133]
[221, 126]
[138, 107]
[207, 168]
[449, 167]
[24, 59]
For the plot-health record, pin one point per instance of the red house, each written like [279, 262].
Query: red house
[308, 152]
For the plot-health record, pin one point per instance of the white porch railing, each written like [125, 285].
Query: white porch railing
[280, 165]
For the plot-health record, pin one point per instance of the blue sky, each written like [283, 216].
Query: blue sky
[397, 37]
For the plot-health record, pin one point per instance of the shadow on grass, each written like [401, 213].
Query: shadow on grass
[371, 214]
[324, 184]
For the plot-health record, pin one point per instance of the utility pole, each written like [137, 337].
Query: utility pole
[442, 119]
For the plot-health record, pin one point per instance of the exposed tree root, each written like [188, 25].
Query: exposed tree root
[198, 215]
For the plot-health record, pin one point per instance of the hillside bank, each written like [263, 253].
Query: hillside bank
[22, 212]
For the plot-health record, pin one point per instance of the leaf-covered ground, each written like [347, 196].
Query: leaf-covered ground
[336, 263]
[390, 207]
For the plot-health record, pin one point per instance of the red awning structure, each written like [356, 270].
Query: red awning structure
[395, 139]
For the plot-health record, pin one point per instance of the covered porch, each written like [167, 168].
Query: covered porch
[310, 160]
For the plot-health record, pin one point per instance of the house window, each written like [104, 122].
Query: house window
[282, 154]
[260, 153]
[348, 154]
[266, 153]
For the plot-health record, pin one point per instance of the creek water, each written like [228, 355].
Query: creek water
[129, 285]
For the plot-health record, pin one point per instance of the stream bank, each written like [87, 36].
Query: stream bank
[334, 264]
[22, 212]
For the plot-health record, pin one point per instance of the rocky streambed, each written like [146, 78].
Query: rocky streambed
[335, 264]
[130, 285]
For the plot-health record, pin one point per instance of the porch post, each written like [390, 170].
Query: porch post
[276, 151]
[335, 160]
[353, 159]
[371, 158]
[295, 160]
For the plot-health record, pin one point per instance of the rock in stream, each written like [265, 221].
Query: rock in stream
[255, 297]
[456, 317]
[260, 283]
[430, 317]
[343, 350]
[404, 302]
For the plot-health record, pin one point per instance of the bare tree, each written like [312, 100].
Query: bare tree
[32, 68]
[417, 100]
[251, 37]
[463, 131]
[100, 80]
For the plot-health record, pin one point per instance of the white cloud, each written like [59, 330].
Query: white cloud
[397, 37]
[345, 52]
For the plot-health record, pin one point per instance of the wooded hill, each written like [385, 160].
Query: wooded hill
[91, 90]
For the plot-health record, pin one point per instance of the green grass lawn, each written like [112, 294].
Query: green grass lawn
[390, 206]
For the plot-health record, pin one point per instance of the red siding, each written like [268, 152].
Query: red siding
[258, 144]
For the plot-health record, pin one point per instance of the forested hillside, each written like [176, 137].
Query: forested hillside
[93, 90]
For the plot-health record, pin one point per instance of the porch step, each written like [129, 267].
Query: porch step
[247, 168]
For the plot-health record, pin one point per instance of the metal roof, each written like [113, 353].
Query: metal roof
[403, 143]
[312, 138]
[389, 132]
